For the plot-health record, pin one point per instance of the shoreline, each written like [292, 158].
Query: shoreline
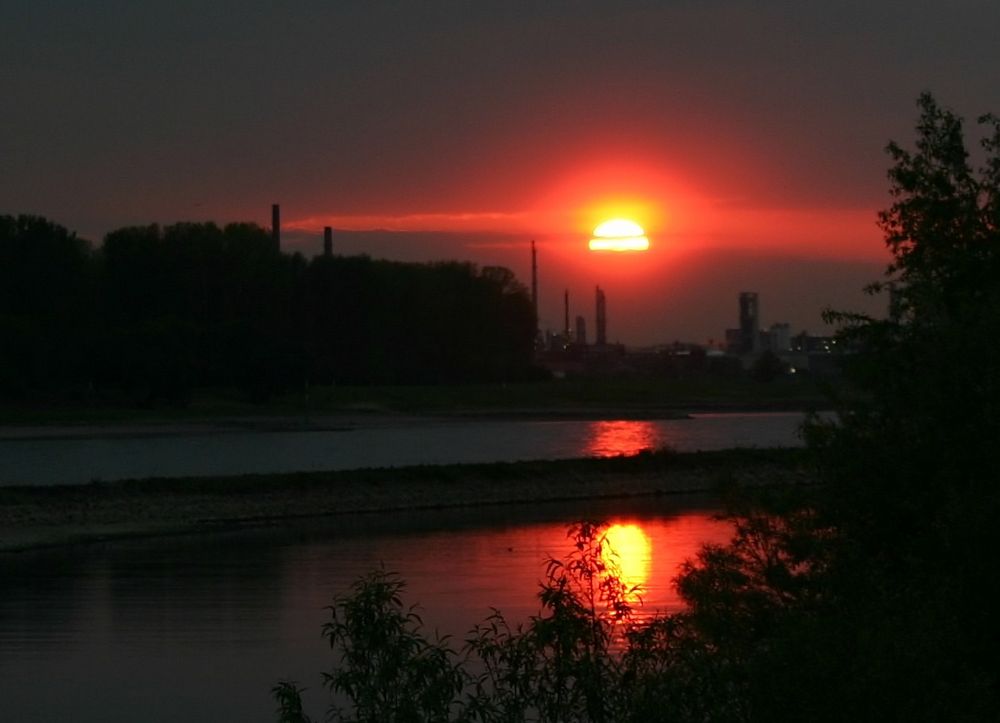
[36, 517]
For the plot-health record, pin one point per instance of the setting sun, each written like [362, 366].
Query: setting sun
[619, 234]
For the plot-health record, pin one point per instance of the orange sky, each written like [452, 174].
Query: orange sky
[653, 295]
[746, 138]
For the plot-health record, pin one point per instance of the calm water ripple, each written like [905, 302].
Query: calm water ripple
[199, 628]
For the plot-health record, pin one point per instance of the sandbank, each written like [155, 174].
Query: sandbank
[32, 517]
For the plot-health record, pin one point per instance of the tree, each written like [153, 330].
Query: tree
[566, 664]
[46, 307]
[897, 542]
[910, 469]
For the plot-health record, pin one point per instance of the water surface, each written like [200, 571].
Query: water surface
[78, 461]
[198, 628]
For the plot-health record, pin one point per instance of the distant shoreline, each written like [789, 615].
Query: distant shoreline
[34, 517]
[346, 421]
[604, 398]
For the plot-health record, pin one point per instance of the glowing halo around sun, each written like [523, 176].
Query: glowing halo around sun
[619, 234]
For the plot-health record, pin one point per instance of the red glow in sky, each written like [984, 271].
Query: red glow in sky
[672, 290]
[745, 139]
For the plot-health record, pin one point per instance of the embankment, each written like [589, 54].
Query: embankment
[58, 515]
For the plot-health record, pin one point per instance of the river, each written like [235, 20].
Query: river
[198, 628]
[85, 458]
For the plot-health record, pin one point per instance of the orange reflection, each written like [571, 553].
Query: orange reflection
[623, 437]
[458, 574]
[628, 550]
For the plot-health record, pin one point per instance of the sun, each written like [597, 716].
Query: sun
[619, 234]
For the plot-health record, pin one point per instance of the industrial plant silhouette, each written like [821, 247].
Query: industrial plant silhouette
[157, 312]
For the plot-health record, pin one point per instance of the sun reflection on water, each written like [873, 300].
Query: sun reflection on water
[621, 437]
[628, 550]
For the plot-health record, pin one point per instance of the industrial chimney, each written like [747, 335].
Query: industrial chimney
[602, 319]
[276, 225]
[567, 332]
[327, 241]
[749, 322]
[534, 283]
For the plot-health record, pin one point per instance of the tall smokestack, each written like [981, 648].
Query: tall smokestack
[602, 318]
[276, 225]
[327, 241]
[534, 283]
[566, 329]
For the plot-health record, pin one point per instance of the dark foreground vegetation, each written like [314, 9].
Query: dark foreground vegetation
[868, 597]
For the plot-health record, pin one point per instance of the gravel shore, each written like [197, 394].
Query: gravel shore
[43, 516]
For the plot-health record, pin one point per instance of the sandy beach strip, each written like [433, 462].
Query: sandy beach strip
[32, 517]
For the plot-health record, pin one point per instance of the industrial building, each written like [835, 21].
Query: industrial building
[567, 351]
[276, 226]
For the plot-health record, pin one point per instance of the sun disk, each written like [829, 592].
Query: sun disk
[619, 234]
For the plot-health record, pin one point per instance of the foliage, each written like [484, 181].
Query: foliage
[157, 312]
[585, 656]
[566, 663]
[288, 695]
[46, 303]
[897, 622]
[392, 323]
[387, 669]
[911, 465]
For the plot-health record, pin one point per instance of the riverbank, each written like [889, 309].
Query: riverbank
[33, 517]
[613, 398]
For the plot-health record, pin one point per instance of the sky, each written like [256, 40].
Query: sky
[746, 138]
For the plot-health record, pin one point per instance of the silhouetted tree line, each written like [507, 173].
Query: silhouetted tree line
[157, 312]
